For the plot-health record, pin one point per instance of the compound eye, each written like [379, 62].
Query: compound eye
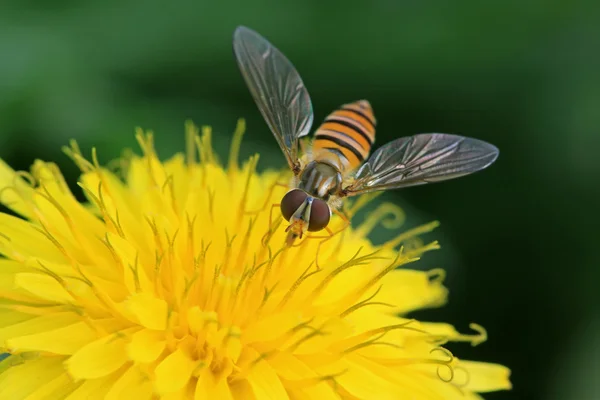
[319, 215]
[291, 202]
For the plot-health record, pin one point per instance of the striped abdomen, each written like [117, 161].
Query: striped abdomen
[348, 132]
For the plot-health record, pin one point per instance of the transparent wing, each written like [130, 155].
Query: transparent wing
[276, 88]
[421, 159]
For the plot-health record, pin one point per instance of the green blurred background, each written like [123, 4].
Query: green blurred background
[518, 239]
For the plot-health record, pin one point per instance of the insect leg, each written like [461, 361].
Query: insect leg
[268, 197]
[329, 236]
[267, 236]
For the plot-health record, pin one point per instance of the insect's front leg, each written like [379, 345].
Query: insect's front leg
[267, 236]
[330, 234]
[269, 195]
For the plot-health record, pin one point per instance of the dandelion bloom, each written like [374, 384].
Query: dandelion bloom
[172, 283]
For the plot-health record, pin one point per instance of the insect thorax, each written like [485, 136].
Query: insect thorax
[320, 179]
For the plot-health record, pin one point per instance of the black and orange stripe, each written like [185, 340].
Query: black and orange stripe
[348, 132]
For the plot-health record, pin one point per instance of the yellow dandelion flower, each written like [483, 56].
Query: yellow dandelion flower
[171, 283]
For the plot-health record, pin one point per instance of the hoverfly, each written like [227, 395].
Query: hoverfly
[338, 165]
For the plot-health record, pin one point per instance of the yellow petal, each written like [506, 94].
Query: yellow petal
[30, 309]
[19, 201]
[486, 377]
[147, 178]
[367, 319]
[301, 381]
[332, 330]
[132, 384]
[211, 387]
[115, 197]
[11, 267]
[98, 359]
[363, 378]
[366, 383]
[34, 264]
[241, 390]
[428, 384]
[196, 319]
[43, 286]
[270, 327]
[21, 234]
[94, 389]
[77, 216]
[65, 340]
[39, 324]
[19, 381]
[146, 346]
[321, 391]
[264, 381]
[12, 317]
[288, 366]
[150, 311]
[58, 388]
[64, 217]
[134, 274]
[174, 372]
[409, 290]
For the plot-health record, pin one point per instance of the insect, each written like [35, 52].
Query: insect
[338, 165]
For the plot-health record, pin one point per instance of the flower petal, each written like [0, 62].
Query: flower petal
[58, 388]
[146, 346]
[173, 373]
[33, 372]
[264, 380]
[363, 381]
[135, 277]
[210, 386]
[242, 390]
[39, 324]
[66, 340]
[410, 290]
[98, 359]
[11, 317]
[301, 381]
[486, 377]
[94, 389]
[150, 311]
[328, 332]
[65, 218]
[321, 391]
[288, 366]
[20, 235]
[117, 200]
[17, 200]
[43, 286]
[132, 384]
[270, 327]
